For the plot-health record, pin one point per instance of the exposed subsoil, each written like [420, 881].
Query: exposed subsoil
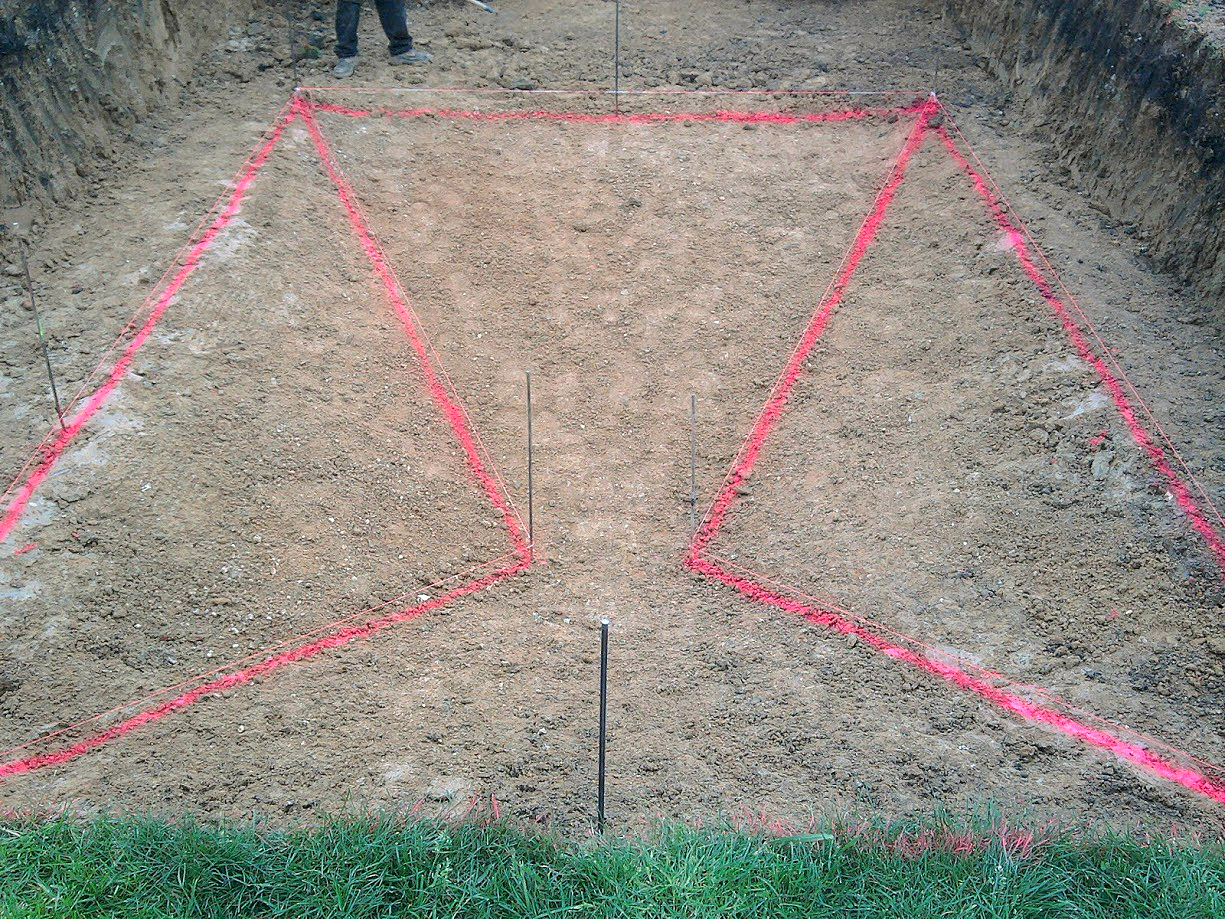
[275, 461]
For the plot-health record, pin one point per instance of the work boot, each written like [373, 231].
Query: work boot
[412, 57]
[344, 67]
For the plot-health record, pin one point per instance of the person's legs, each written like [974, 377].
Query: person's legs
[348, 13]
[395, 23]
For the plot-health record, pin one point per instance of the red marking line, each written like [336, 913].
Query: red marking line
[266, 668]
[450, 408]
[24, 549]
[1004, 701]
[246, 660]
[746, 459]
[52, 451]
[647, 118]
[1156, 456]
[957, 660]
[773, 409]
[172, 266]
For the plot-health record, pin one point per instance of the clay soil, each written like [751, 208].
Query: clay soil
[273, 462]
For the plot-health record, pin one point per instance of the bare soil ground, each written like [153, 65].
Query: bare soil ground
[274, 462]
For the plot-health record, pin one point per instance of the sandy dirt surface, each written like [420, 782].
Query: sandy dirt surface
[273, 462]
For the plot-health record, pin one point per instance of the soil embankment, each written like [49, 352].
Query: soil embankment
[1133, 95]
[77, 75]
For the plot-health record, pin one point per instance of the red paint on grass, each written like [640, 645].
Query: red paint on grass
[391, 286]
[753, 118]
[1177, 488]
[243, 677]
[55, 449]
[1013, 705]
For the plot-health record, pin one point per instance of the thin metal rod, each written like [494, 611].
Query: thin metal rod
[531, 517]
[603, 721]
[617, 60]
[693, 465]
[42, 338]
[292, 23]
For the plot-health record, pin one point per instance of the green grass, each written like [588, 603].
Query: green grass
[385, 867]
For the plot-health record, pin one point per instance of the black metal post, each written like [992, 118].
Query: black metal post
[603, 720]
[292, 23]
[42, 338]
[617, 60]
[693, 465]
[531, 521]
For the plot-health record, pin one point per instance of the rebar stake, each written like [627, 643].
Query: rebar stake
[617, 59]
[603, 722]
[292, 25]
[693, 466]
[531, 517]
[42, 338]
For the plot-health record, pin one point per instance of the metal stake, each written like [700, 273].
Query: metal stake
[693, 465]
[291, 21]
[603, 720]
[617, 60]
[531, 522]
[42, 338]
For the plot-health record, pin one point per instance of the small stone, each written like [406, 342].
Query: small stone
[446, 789]
[1101, 464]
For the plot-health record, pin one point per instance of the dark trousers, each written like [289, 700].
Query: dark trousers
[391, 15]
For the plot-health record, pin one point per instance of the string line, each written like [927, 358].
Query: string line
[961, 659]
[1188, 778]
[1157, 457]
[448, 405]
[237, 663]
[54, 450]
[259, 671]
[150, 301]
[1108, 353]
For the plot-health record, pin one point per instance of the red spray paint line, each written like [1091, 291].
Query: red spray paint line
[816, 327]
[55, 449]
[1182, 494]
[1187, 778]
[754, 118]
[943, 653]
[604, 93]
[247, 660]
[1013, 705]
[448, 406]
[243, 677]
[103, 365]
